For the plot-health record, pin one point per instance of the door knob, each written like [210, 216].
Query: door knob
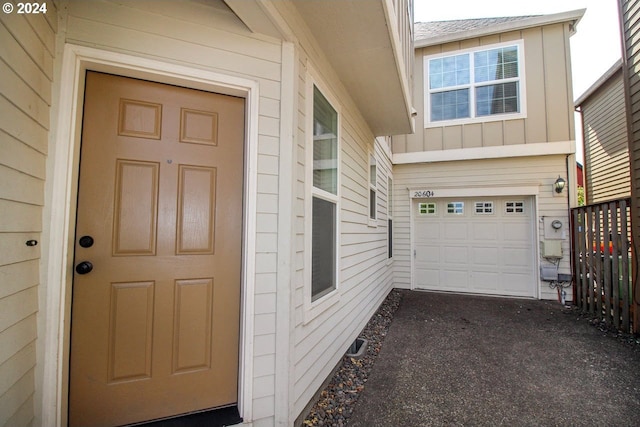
[84, 267]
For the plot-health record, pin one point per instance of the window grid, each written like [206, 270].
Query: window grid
[427, 208]
[475, 84]
[484, 208]
[455, 208]
[514, 207]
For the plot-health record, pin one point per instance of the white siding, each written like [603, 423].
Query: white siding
[363, 269]
[514, 172]
[209, 36]
[27, 54]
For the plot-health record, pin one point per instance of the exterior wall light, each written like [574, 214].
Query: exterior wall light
[558, 186]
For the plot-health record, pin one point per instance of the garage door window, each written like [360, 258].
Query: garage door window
[484, 208]
[426, 208]
[455, 208]
[514, 207]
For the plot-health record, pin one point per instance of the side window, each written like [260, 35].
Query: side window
[324, 194]
[373, 187]
[389, 217]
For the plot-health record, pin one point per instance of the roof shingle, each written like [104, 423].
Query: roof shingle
[428, 30]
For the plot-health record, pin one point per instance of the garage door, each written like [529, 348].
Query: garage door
[479, 245]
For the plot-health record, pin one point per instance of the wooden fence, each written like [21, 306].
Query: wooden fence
[601, 261]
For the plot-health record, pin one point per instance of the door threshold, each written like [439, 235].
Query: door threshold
[220, 417]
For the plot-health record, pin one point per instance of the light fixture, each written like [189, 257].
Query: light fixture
[559, 184]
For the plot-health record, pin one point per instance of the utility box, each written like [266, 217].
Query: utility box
[551, 249]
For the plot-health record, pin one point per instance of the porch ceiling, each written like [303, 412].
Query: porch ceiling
[357, 39]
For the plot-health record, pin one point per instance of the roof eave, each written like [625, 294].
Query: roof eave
[534, 21]
[617, 67]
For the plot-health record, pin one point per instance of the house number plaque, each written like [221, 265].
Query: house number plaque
[423, 194]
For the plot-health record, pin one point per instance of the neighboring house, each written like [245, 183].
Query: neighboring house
[195, 202]
[604, 129]
[580, 174]
[630, 31]
[475, 208]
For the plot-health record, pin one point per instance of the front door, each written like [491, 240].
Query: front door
[156, 291]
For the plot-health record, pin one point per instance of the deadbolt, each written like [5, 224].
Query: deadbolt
[86, 241]
[84, 267]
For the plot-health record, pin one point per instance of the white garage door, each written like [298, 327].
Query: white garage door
[477, 245]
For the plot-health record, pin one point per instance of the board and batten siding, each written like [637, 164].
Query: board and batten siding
[605, 143]
[364, 270]
[492, 173]
[27, 52]
[548, 93]
[208, 35]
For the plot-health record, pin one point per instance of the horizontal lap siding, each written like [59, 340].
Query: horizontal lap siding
[209, 36]
[540, 171]
[364, 271]
[27, 54]
[606, 149]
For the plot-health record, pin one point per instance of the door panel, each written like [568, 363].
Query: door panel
[155, 324]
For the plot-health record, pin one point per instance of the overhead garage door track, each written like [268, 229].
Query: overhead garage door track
[483, 361]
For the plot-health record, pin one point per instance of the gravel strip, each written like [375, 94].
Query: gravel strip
[335, 405]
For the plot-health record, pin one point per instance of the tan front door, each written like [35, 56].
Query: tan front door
[155, 323]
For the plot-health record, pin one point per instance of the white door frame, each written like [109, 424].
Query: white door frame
[426, 193]
[64, 175]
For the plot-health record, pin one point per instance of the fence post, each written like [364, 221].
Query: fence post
[615, 265]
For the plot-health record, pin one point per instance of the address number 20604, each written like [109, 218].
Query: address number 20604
[423, 193]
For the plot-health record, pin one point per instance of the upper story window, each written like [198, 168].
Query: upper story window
[474, 85]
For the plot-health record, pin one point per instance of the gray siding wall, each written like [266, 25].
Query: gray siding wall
[605, 139]
[27, 50]
[548, 91]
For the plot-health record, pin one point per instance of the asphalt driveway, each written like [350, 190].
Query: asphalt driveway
[460, 360]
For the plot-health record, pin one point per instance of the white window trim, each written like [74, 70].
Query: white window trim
[483, 119]
[314, 308]
[372, 222]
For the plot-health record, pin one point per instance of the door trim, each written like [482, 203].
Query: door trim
[63, 185]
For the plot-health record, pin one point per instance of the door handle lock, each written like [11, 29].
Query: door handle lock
[86, 241]
[84, 267]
